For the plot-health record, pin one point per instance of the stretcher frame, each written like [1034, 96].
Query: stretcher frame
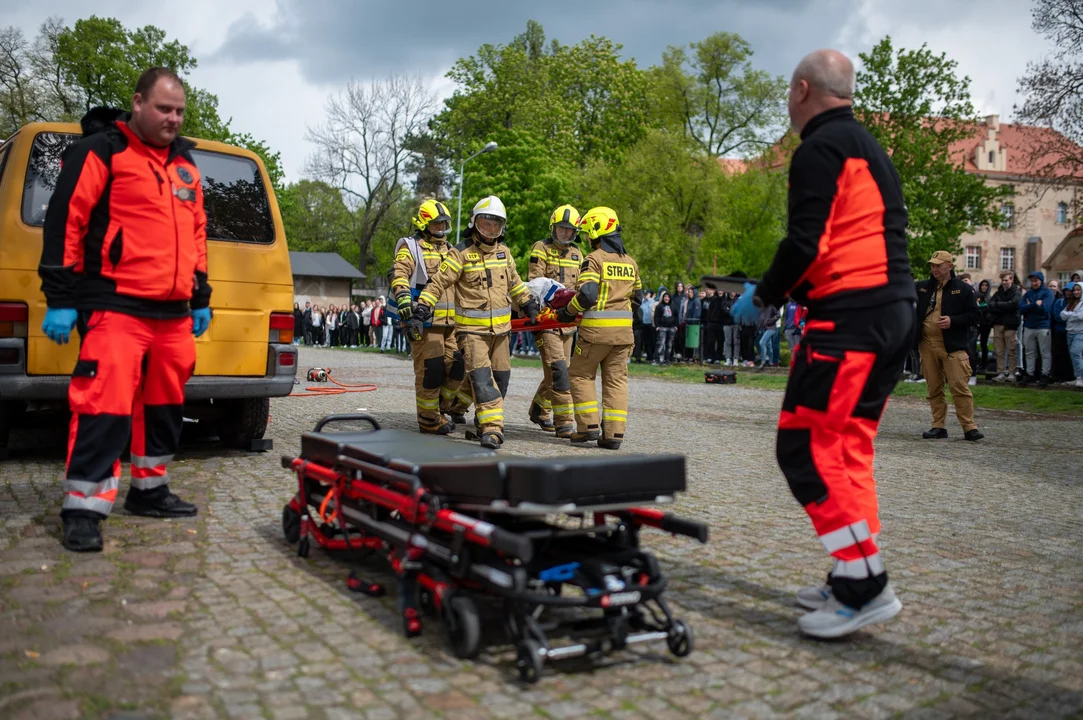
[446, 559]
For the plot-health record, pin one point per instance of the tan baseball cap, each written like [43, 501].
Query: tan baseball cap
[941, 256]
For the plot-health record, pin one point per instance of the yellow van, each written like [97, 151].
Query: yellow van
[246, 356]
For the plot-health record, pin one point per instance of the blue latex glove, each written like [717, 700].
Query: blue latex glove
[744, 311]
[58, 324]
[200, 320]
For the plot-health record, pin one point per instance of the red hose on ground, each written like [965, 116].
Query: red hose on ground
[342, 389]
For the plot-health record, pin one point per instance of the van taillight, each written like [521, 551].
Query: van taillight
[13, 320]
[281, 327]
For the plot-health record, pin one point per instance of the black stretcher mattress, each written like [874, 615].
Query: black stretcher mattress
[472, 474]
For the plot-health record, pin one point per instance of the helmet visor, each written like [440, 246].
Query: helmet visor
[438, 228]
[564, 233]
[489, 225]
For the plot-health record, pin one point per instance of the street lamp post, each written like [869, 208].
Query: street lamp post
[489, 147]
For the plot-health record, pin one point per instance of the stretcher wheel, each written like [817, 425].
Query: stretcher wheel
[529, 661]
[291, 524]
[680, 640]
[464, 626]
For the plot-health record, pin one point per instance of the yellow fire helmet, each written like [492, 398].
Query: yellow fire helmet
[564, 216]
[599, 221]
[432, 211]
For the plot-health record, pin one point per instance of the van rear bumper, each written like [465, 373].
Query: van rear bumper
[15, 384]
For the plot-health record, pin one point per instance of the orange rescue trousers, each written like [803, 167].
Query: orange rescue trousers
[129, 381]
[845, 369]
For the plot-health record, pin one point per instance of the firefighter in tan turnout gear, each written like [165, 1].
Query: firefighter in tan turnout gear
[485, 283]
[439, 367]
[609, 292]
[558, 259]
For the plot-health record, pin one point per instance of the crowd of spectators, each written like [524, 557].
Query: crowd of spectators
[370, 323]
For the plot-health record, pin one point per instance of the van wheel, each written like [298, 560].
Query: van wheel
[11, 414]
[245, 421]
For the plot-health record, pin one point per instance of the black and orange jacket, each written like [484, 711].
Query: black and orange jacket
[845, 246]
[124, 230]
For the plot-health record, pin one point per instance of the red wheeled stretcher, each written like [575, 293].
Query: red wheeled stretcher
[465, 528]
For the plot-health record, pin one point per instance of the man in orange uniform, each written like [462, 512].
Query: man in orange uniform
[125, 256]
[845, 258]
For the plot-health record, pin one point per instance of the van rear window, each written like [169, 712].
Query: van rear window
[234, 196]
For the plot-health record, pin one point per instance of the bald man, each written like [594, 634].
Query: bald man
[844, 257]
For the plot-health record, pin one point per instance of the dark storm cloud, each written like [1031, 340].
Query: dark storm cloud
[334, 40]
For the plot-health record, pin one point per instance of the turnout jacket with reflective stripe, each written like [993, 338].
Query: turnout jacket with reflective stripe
[484, 281]
[845, 247]
[556, 262]
[405, 275]
[125, 229]
[609, 291]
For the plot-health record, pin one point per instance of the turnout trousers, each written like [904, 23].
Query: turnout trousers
[587, 358]
[846, 367]
[488, 369]
[554, 395]
[439, 370]
[128, 382]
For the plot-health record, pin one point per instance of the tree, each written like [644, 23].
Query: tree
[316, 218]
[67, 71]
[361, 149]
[718, 98]
[898, 95]
[1052, 89]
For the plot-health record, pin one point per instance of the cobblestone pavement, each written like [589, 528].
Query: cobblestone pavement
[217, 617]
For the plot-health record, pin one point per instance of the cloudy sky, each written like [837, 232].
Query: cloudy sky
[273, 63]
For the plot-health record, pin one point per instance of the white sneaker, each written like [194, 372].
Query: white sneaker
[1079, 382]
[1000, 378]
[835, 619]
[972, 381]
[813, 597]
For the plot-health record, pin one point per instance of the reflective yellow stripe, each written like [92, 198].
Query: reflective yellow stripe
[546, 404]
[603, 297]
[432, 256]
[401, 282]
[539, 254]
[574, 305]
[452, 263]
[589, 277]
[587, 407]
[519, 289]
[441, 315]
[464, 397]
[638, 285]
[608, 414]
[427, 403]
[491, 414]
[428, 298]
[483, 321]
[447, 393]
[601, 322]
[404, 254]
[562, 409]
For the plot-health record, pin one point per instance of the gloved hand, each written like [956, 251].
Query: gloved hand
[406, 307]
[415, 328]
[566, 315]
[58, 324]
[744, 311]
[531, 308]
[422, 312]
[201, 320]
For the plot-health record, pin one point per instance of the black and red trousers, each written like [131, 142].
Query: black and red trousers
[846, 366]
[128, 382]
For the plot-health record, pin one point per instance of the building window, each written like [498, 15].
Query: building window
[1062, 213]
[992, 158]
[973, 257]
[1008, 211]
[1007, 259]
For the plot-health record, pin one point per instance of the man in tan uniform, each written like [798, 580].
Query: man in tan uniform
[439, 367]
[609, 292]
[485, 282]
[947, 307]
[558, 259]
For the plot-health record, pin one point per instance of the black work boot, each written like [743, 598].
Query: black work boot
[158, 503]
[457, 418]
[536, 411]
[609, 443]
[973, 435]
[82, 532]
[935, 434]
[492, 440]
[588, 436]
[441, 428]
[565, 431]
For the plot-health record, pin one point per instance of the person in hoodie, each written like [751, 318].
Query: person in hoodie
[1062, 360]
[1072, 315]
[979, 360]
[1036, 307]
[665, 328]
[1004, 316]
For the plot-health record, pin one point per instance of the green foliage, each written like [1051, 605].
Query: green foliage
[529, 178]
[581, 101]
[97, 61]
[896, 92]
[717, 97]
